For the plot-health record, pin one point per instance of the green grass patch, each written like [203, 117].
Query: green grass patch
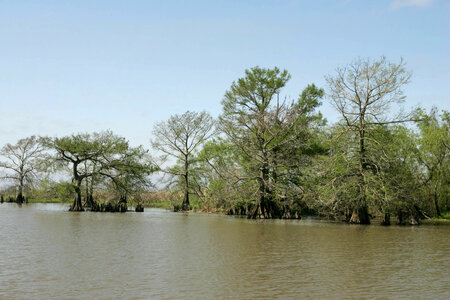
[444, 219]
[446, 215]
[165, 205]
[436, 221]
[41, 200]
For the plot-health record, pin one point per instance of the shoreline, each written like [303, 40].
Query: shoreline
[165, 206]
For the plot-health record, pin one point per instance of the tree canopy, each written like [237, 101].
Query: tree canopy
[178, 138]
[267, 155]
[109, 155]
[20, 162]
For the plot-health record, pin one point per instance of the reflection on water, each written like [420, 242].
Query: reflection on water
[47, 252]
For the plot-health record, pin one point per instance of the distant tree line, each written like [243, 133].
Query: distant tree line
[268, 155]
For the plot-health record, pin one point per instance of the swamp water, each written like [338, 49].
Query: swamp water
[47, 252]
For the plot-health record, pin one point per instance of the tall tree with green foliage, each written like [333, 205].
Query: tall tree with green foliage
[434, 155]
[129, 172]
[392, 186]
[111, 154]
[268, 132]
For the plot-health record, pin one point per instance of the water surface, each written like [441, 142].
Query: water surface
[47, 252]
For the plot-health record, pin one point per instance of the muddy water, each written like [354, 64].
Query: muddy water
[46, 252]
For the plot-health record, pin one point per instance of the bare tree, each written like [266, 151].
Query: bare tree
[363, 93]
[20, 161]
[179, 138]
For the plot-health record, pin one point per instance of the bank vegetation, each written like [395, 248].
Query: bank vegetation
[268, 155]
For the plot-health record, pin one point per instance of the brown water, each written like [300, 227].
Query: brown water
[46, 252]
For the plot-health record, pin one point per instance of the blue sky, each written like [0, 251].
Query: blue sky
[83, 66]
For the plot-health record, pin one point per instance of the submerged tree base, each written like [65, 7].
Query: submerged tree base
[20, 199]
[94, 206]
[76, 208]
[387, 220]
[181, 208]
[252, 211]
[360, 216]
[139, 208]
[109, 207]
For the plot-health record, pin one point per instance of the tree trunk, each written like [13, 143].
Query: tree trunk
[87, 202]
[361, 215]
[436, 201]
[77, 205]
[122, 206]
[264, 191]
[255, 212]
[354, 219]
[139, 208]
[261, 207]
[413, 221]
[90, 201]
[20, 198]
[265, 207]
[262, 198]
[387, 219]
[400, 217]
[90, 192]
[186, 205]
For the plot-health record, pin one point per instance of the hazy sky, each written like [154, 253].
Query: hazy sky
[77, 66]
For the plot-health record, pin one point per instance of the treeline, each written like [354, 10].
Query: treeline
[267, 156]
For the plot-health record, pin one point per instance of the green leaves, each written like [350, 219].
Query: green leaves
[255, 91]
[102, 155]
[273, 136]
[434, 154]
